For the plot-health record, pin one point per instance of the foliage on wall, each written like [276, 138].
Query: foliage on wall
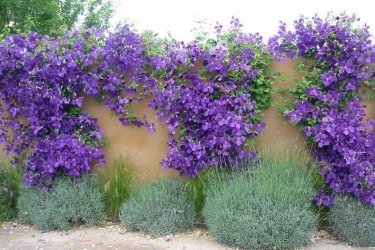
[211, 95]
[211, 113]
[339, 58]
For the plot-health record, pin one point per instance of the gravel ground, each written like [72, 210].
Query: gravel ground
[112, 236]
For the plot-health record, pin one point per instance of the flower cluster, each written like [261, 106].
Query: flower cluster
[63, 154]
[43, 82]
[208, 97]
[40, 86]
[339, 57]
[211, 113]
[118, 79]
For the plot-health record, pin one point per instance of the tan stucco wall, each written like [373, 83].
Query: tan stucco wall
[368, 96]
[144, 149]
[279, 132]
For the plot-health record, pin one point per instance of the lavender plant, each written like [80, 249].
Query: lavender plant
[352, 221]
[262, 206]
[162, 208]
[70, 202]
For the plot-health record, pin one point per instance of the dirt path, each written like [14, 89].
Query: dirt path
[16, 236]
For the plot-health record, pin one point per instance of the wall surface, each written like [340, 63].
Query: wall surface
[146, 150]
[368, 96]
[279, 131]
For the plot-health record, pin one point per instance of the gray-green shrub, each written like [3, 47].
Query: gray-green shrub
[70, 202]
[209, 179]
[267, 207]
[162, 208]
[352, 222]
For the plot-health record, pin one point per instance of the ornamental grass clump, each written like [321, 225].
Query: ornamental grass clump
[352, 221]
[164, 207]
[266, 207]
[116, 184]
[70, 202]
[196, 187]
[10, 180]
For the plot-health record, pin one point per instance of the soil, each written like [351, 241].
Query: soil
[112, 236]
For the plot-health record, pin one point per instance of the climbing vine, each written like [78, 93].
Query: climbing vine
[339, 58]
[211, 95]
[209, 92]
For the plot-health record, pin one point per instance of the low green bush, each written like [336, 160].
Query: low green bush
[352, 222]
[10, 180]
[262, 207]
[70, 202]
[210, 178]
[116, 183]
[162, 208]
